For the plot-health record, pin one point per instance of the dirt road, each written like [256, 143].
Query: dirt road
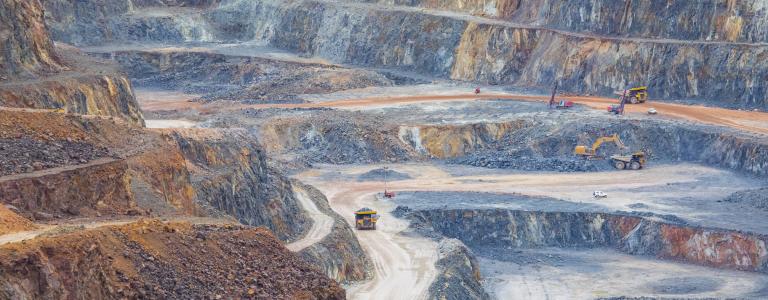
[321, 223]
[751, 121]
[404, 266]
[90, 224]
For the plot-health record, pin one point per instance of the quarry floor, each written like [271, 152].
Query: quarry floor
[687, 191]
[404, 261]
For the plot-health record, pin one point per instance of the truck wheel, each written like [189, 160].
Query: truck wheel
[633, 100]
[619, 164]
[634, 165]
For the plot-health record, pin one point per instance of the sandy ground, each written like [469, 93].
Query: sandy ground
[404, 265]
[169, 123]
[591, 273]
[321, 223]
[688, 191]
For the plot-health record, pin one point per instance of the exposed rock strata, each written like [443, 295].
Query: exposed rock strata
[27, 49]
[230, 173]
[630, 234]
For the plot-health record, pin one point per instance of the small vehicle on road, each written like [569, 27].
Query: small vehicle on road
[599, 194]
[652, 111]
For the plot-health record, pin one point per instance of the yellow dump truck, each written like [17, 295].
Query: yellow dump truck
[366, 218]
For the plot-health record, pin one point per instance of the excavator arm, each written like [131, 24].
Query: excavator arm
[591, 152]
[614, 138]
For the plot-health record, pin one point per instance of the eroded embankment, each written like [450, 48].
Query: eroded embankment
[626, 233]
[150, 259]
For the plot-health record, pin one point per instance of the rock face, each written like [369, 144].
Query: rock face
[150, 259]
[26, 47]
[82, 191]
[709, 51]
[106, 95]
[34, 74]
[721, 20]
[230, 174]
[459, 273]
[102, 21]
[503, 145]
[630, 234]
[82, 165]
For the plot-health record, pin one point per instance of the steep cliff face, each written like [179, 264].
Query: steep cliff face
[150, 259]
[230, 174]
[103, 21]
[35, 74]
[634, 235]
[680, 50]
[725, 20]
[106, 95]
[26, 47]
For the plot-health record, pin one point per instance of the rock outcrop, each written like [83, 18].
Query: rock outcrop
[458, 273]
[230, 173]
[27, 49]
[150, 259]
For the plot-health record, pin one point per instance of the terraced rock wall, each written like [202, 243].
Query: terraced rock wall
[476, 49]
[83, 191]
[726, 20]
[630, 234]
[505, 53]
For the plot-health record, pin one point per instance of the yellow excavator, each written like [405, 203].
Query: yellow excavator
[591, 153]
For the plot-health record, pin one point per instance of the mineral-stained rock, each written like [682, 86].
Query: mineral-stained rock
[149, 259]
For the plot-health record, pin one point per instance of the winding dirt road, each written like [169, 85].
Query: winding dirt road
[404, 266]
[321, 223]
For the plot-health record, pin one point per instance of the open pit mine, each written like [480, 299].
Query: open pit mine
[383, 149]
